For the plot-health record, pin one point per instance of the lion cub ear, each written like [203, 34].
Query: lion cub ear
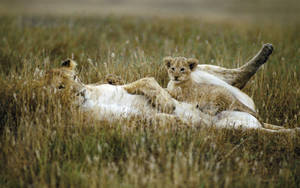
[69, 63]
[192, 63]
[167, 61]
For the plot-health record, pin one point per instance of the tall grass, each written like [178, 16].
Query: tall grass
[45, 142]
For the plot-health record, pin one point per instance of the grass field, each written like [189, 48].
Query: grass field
[45, 143]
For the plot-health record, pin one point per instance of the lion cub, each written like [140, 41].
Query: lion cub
[210, 99]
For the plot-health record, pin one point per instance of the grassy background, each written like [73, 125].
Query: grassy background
[45, 142]
[279, 10]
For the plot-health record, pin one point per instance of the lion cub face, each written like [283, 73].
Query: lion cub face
[180, 68]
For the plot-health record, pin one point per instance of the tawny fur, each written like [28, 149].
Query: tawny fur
[208, 98]
[114, 79]
[143, 98]
[62, 78]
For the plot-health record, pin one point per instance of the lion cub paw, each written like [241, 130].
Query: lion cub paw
[114, 80]
[164, 104]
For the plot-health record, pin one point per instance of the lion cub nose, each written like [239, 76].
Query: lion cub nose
[176, 78]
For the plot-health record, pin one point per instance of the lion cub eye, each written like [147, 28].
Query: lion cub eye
[61, 87]
[173, 69]
[182, 69]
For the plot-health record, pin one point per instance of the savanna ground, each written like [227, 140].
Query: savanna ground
[44, 142]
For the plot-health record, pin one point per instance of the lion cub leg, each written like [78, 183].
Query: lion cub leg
[158, 97]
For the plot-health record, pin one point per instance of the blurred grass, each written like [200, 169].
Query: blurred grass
[286, 11]
[45, 142]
